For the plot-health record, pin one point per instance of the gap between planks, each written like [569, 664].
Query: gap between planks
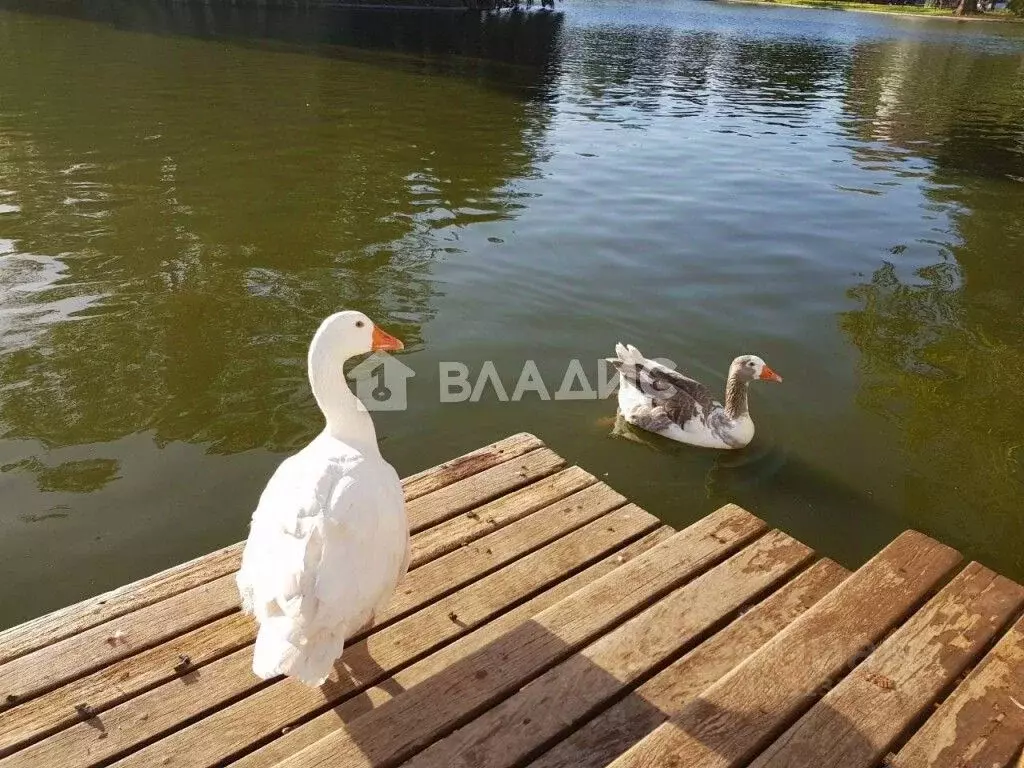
[982, 721]
[859, 720]
[298, 738]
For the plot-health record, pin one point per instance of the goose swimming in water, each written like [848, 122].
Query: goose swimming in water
[329, 540]
[658, 399]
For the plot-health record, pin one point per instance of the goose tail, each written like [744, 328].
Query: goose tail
[627, 357]
[629, 354]
[279, 652]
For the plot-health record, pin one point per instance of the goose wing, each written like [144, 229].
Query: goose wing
[681, 397]
[327, 546]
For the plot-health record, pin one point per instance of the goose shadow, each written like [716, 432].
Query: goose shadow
[587, 724]
[546, 703]
[353, 671]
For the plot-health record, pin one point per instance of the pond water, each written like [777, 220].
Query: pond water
[185, 191]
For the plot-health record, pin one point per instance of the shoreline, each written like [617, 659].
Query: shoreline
[883, 10]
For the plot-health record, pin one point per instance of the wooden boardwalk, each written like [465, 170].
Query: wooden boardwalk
[546, 621]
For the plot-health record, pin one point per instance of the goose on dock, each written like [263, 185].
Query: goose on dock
[329, 540]
[658, 399]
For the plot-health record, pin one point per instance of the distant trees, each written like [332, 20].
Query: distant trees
[949, 5]
[967, 7]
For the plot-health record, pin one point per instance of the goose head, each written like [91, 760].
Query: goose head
[350, 333]
[748, 368]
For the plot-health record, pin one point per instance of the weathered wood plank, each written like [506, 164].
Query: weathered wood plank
[58, 625]
[616, 729]
[471, 525]
[134, 674]
[463, 495]
[736, 717]
[73, 657]
[161, 709]
[400, 727]
[40, 716]
[53, 627]
[857, 722]
[121, 680]
[583, 684]
[489, 552]
[262, 715]
[982, 722]
[48, 667]
[99, 739]
[449, 472]
[306, 734]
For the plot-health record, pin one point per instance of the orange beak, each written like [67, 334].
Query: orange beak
[385, 341]
[767, 374]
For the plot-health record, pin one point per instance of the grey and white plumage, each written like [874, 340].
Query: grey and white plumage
[659, 399]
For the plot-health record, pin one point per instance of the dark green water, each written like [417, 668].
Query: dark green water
[186, 191]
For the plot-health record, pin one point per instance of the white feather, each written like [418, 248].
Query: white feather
[327, 546]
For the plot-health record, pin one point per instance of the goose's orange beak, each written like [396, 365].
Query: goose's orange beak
[767, 374]
[385, 341]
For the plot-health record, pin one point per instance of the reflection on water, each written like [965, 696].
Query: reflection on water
[838, 193]
[941, 343]
[192, 254]
[179, 226]
[73, 476]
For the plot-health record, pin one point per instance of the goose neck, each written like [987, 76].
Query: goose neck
[736, 405]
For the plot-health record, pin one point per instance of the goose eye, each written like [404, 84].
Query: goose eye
[360, 323]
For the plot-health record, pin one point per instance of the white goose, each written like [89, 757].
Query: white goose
[329, 540]
[660, 400]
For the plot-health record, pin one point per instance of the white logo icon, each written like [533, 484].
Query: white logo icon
[380, 383]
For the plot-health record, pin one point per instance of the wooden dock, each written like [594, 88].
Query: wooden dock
[546, 621]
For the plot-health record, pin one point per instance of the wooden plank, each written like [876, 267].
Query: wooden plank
[857, 722]
[434, 579]
[585, 682]
[132, 675]
[154, 667]
[155, 713]
[73, 657]
[121, 681]
[262, 715]
[397, 729]
[53, 627]
[58, 625]
[463, 495]
[467, 527]
[449, 472]
[740, 714]
[298, 738]
[982, 722]
[616, 729]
